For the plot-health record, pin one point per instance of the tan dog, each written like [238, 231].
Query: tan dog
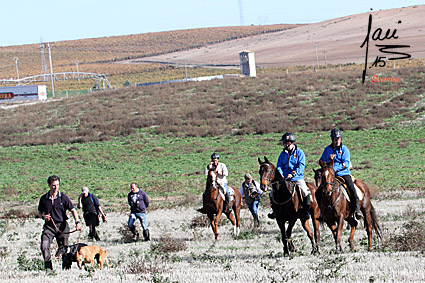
[87, 254]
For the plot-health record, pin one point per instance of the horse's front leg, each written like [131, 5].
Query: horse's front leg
[340, 226]
[289, 235]
[281, 224]
[306, 226]
[353, 225]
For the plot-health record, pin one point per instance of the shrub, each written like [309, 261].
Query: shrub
[167, 244]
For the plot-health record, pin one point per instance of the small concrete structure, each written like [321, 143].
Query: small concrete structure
[247, 60]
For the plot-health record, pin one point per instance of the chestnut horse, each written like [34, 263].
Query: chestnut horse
[286, 204]
[214, 204]
[336, 208]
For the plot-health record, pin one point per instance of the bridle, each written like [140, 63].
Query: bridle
[269, 177]
[333, 186]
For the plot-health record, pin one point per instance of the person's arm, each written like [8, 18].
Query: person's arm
[103, 214]
[76, 219]
[241, 191]
[279, 165]
[79, 202]
[146, 200]
[299, 170]
[223, 171]
[346, 156]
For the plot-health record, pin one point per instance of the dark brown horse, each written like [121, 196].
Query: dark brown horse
[336, 208]
[286, 204]
[214, 204]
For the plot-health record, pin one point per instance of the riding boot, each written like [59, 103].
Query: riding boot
[227, 208]
[307, 204]
[135, 233]
[357, 212]
[146, 235]
[48, 265]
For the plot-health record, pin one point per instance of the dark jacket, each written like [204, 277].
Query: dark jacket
[138, 201]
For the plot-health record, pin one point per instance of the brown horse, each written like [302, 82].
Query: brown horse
[286, 203]
[214, 204]
[336, 208]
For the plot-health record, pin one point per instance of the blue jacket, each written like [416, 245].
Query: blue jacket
[138, 201]
[342, 155]
[294, 164]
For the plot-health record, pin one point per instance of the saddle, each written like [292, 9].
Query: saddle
[345, 189]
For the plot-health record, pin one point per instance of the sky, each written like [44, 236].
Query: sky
[30, 21]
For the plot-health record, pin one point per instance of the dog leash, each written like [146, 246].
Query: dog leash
[62, 231]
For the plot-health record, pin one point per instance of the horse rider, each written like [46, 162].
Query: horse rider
[251, 193]
[222, 173]
[342, 165]
[291, 165]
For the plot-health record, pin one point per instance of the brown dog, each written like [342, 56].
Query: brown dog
[87, 254]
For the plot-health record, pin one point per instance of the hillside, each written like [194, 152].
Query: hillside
[99, 55]
[340, 38]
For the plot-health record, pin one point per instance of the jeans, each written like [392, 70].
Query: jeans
[253, 207]
[142, 218]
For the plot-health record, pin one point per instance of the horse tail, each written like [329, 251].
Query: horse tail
[375, 224]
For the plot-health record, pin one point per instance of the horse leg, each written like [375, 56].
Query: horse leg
[316, 225]
[232, 219]
[340, 226]
[306, 227]
[281, 224]
[237, 211]
[213, 225]
[289, 235]
[353, 225]
[368, 226]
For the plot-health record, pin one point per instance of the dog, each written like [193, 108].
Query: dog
[69, 254]
[87, 254]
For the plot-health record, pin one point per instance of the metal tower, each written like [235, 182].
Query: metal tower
[43, 59]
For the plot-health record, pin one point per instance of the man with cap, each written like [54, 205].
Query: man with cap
[291, 165]
[251, 193]
[91, 210]
[342, 166]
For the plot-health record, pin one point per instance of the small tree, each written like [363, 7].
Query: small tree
[127, 83]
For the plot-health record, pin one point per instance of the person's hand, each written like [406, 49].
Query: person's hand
[290, 176]
[78, 226]
[47, 217]
[104, 218]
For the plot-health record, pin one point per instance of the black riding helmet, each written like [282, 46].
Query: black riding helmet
[288, 137]
[336, 134]
[214, 156]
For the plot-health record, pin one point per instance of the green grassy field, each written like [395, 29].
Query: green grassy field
[166, 167]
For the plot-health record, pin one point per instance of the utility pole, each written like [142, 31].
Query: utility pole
[185, 69]
[51, 71]
[326, 60]
[317, 56]
[16, 63]
[78, 73]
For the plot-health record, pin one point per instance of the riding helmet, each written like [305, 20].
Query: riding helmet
[288, 137]
[336, 134]
[214, 156]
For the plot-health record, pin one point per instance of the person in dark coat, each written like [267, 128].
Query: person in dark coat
[91, 210]
[138, 201]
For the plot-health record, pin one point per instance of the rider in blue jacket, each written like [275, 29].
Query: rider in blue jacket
[291, 165]
[342, 165]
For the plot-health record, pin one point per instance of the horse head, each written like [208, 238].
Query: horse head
[267, 173]
[327, 177]
[212, 178]
[317, 176]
